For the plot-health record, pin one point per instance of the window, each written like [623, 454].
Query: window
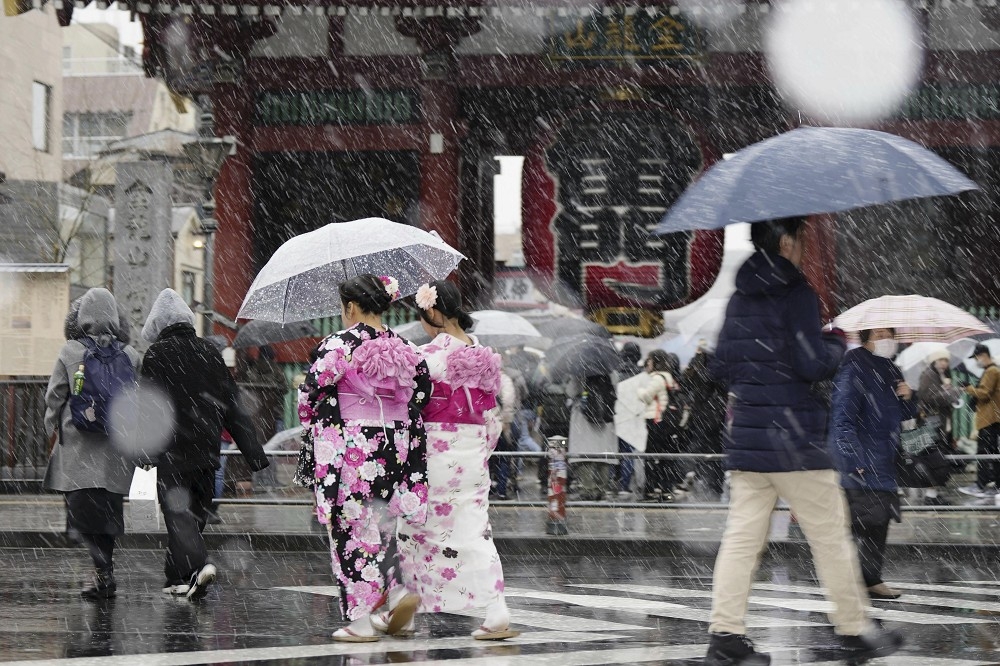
[87, 134]
[188, 284]
[41, 99]
[67, 59]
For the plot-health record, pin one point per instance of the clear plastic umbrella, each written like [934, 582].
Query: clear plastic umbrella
[300, 280]
[499, 329]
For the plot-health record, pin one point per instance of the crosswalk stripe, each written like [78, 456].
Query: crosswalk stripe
[804, 605]
[311, 651]
[956, 589]
[580, 658]
[909, 599]
[911, 660]
[519, 616]
[657, 609]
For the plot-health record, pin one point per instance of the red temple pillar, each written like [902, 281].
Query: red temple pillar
[233, 261]
[439, 160]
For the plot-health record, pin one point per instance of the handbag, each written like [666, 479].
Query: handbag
[927, 468]
[143, 500]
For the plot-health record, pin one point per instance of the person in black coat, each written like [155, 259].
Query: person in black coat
[773, 356]
[200, 392]
[707, 402]
[870, 401]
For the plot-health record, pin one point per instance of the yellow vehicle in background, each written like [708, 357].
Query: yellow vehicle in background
[630, 321]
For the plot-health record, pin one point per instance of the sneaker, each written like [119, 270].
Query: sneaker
[880, 643]
[733, 650]
[178, 590]
[973, 491]
[200, 580]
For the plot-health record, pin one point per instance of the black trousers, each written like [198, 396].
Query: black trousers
[666, 473]
[185, 500]
[871, 512]
[988, 471]
[102, 550]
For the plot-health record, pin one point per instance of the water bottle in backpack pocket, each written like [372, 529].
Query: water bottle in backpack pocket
[102, 375]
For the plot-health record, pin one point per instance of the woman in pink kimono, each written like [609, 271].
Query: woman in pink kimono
[451, 560]
[364, 451]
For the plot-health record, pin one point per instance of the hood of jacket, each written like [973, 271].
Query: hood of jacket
[72, 330]
[168, 309]
[98, 313]
[766, 274]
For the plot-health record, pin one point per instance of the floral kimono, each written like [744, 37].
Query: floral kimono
[451, 560]
[364, 453]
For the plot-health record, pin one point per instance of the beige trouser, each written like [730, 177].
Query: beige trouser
[818, 502]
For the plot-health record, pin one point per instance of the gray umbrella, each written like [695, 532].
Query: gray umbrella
[812, 170]
[259, 332]
[561, 327]
[582, 356]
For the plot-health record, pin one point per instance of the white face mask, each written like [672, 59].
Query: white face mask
[885, 348]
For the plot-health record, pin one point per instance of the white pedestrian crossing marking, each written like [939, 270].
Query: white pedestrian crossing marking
[909, 599]
[580, 658]
[520, 616]
[657, 609]
[796, 604]
[314, 651]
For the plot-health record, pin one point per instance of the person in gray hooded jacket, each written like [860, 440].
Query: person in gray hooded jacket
[85, 466]
[191, 373]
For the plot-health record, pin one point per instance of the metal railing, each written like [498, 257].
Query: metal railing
[614, 502]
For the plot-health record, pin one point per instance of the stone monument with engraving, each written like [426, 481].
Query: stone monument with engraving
[143, 246]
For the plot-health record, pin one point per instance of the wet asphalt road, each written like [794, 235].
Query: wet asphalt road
[279, 608]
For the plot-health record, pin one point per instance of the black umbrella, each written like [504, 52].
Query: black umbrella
[561, 327]
[259, 332]
[581, 356]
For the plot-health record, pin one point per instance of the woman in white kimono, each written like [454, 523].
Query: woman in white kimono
[451, 560]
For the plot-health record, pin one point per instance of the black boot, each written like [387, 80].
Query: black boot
[104, 586]
[733, 650]
[881, 643]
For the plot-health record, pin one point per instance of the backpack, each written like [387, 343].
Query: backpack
[106, 371]
[598, 399]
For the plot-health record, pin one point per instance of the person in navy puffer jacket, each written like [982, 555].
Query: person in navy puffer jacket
[870, 401]
[778, 364]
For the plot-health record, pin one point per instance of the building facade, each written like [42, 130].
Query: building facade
[346, 110]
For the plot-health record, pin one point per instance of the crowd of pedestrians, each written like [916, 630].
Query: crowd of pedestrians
[398, 441]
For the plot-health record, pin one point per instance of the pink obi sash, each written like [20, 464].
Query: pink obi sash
[382, 405]
[464, 405]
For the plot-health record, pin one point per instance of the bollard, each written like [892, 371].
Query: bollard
[558, 475]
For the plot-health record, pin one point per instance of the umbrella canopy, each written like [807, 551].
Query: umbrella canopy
[812, 170]
[499, 329]
[300, 280]
[912, 361]
[962, 350]
[561, 327]
[286, 440]
[581, 356]
[915, 319]
[260, 332]
[219, 341]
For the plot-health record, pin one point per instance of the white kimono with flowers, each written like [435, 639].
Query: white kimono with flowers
[451, 560]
